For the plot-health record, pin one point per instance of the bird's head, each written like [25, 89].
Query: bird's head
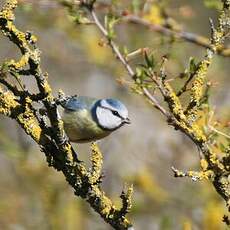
[111, 114]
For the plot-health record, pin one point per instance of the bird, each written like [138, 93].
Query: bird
[88, 119]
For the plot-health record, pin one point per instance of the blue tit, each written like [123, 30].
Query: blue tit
[88, 119]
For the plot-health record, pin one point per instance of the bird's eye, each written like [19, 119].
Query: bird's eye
[115, 113]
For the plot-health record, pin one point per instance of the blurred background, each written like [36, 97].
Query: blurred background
[34, 196]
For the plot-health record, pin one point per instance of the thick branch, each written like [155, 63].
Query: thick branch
[51, 139]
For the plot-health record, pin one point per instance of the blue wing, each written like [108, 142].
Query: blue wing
[78, 103]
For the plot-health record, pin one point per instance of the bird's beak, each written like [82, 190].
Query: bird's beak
[127, 121]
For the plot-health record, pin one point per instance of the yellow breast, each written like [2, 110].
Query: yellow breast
[80, 126]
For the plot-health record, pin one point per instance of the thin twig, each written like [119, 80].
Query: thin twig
[185, 86]
[169, 31]
[219, 132]
[112, 44]
[187, 36]
[122, 59]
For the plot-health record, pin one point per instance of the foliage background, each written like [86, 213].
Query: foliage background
[34, 196]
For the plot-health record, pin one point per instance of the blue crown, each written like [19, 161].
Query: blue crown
[115, 103]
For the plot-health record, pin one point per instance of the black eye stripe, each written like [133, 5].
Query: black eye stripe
[114, 112]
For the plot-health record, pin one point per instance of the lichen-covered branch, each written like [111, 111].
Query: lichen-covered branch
[183, 117]
[45, 125]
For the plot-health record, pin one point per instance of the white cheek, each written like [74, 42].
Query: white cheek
[106, 119]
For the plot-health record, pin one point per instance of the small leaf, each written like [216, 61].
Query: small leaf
[138, 72]
[110, 21]
[192, 65]
[149, 59]
[222, 147]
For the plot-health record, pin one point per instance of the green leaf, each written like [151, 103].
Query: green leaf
[192, 65]
[150, 61]
[110, 21]
[138, 72]
[222, 147]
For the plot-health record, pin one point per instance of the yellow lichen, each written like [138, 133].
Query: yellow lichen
[96, 157]
[33, 39]
[20, 64]
[215, 161]
[174, 102]
[198, 133]
[97, 160]
[30, 125]
[203, 164]
[8, 106]
[29, 122]
[7, 9]
[47, 88]
[197, 89]
[106, 206]
[7, 15]
[68, 151]
[7, 103]
[130, 193]
[200, 175]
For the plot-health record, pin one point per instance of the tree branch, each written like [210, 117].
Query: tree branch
[122, 59]
[170, 32]
[184, 119]
[51, 138]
